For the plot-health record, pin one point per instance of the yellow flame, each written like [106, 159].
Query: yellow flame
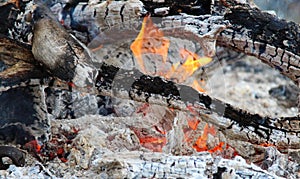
[149, 40]
[197, 86]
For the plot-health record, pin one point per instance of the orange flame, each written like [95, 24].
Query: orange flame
[193, 61]
[149, 40]
[197, 86]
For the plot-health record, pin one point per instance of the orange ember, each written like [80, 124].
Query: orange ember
[201, 143]
[154, 143]
[193, 123]
[266, 145]
[219, 147]
[33, 146]
[149, 40]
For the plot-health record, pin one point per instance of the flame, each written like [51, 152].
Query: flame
[149, 40]
[193, 61]
[201, 143]
[197, 86]
[191, 64]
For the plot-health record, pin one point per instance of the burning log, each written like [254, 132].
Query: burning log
[280, 51]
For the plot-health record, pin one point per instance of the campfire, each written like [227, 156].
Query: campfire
[136, 89]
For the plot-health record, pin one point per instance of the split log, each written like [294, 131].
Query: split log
[132, 84]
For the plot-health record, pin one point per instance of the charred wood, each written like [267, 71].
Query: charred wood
[117, 82]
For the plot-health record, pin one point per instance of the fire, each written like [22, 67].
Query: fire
[191, 64]
[193, 61]
[201, 143]
[154, 143]
[33, 146]
[197, 86]
[266, 145]
[149, 40]
[193, 123]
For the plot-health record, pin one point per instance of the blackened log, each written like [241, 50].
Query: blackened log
[22, 114]
[134, 85]
[8, 16]
[12, 50]
[251, 31]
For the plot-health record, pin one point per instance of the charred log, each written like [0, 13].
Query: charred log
[272, 40]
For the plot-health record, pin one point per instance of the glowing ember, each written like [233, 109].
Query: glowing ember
[193, 123]
[149, 40]
[201, 143]
[33, 146]
[154, 143]
[266, 145]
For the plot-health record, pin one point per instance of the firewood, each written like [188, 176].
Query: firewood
[132, 84]
[64, 57]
